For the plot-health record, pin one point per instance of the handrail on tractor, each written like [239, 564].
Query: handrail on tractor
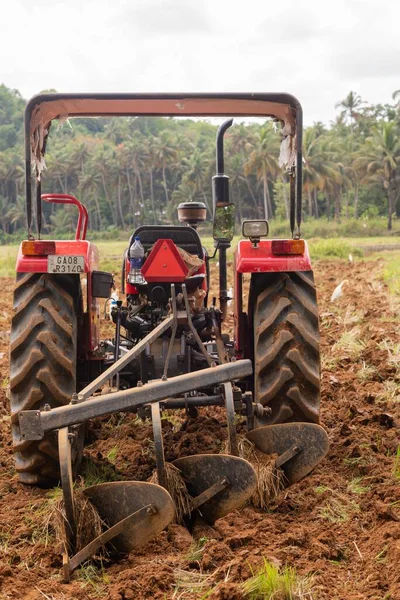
[82, 224]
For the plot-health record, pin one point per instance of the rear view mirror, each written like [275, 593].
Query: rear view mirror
[224, 222]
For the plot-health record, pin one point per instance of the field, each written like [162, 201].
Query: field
[338, 530]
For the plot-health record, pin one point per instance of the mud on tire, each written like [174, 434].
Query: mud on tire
[286, 345]
[43, 353]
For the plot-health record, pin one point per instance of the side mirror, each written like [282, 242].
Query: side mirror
[224, 222]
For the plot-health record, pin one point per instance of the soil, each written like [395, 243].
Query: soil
[340, 525]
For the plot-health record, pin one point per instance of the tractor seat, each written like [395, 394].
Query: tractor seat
[183, 236]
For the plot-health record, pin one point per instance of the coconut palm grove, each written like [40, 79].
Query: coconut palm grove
[137, 170]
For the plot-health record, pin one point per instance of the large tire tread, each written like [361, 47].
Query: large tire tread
[286, 345]
[43, 352]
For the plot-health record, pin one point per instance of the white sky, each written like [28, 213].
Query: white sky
[318, 50]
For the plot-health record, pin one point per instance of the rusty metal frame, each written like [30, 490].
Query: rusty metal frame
[122, 362]
[34, 423]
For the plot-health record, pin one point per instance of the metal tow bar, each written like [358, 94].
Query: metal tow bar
[35, 424]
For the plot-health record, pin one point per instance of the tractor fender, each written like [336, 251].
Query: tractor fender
[38, 264]
[256, 260]
[260, 259]
[91, 317]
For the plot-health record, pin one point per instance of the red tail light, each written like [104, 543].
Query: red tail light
[287, 246]
[38, 248]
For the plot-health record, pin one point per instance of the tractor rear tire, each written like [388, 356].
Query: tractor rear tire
[43, 351]
[286, 346]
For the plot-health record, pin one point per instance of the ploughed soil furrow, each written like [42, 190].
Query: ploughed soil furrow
[341, 524]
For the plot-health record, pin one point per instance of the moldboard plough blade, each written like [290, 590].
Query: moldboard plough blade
[218, 483]
[117, 500]
[299, 446]
[134, 510]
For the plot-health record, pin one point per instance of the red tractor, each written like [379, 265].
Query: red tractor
[171, 349]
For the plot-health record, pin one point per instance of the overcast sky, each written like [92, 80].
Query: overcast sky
[317, 50]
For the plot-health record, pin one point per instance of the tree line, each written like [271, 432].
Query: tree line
[130, 171]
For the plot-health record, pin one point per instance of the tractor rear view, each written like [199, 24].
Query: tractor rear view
[171, 348]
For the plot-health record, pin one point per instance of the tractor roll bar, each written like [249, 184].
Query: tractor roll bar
[41, 110]
[82, 224]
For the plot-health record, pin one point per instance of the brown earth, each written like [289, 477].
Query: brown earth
[341, 524]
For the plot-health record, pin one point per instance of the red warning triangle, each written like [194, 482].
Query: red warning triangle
[164, 263]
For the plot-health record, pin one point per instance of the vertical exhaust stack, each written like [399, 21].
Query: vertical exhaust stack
[220, 181]
[220, 193]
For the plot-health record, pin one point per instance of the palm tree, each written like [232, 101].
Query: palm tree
[240, 140]
[381, 158]
[350, 104]
[16, 213]
[197, 173]
[89, 185]
[263, 160]
[150, 163]
[164, 154]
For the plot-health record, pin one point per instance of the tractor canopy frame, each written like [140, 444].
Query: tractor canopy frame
[41, 110]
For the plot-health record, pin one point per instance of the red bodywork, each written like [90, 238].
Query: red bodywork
[164, 263]
[90, 338]
[38, 264]
[259, 259]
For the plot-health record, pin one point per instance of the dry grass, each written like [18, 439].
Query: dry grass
[270, 480]
[190, 584]
[178, 490]
[88, 521]
[349, 344]
[336, 508]
[366, 372]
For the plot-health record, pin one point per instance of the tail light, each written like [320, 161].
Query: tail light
[287, 246]
[38, 248]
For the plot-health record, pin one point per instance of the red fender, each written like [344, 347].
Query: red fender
[259, 259]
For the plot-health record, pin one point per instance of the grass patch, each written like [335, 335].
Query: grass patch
[190, 584]
[366, 372]
[94, 578]
[196, 550]
[391, 274]
[333, 248]
[94, 473]
[350, 343]
[355, 486]
[337, 508]
[396, 466]
[112, 455]
[351, 317]
[391, 391]
[274, 583]
[335, 511]
[382, 555]
[393, 351]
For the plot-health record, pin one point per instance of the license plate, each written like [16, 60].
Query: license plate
[65, 264]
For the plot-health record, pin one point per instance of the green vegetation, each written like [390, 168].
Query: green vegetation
[196, 550]
[391, 274]
[94, 473]
[350, 343]
[94, 579]
[337, 508]
[356, 486]
[396, 466]
[333, 248]
[274, 583]
[132, 171]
